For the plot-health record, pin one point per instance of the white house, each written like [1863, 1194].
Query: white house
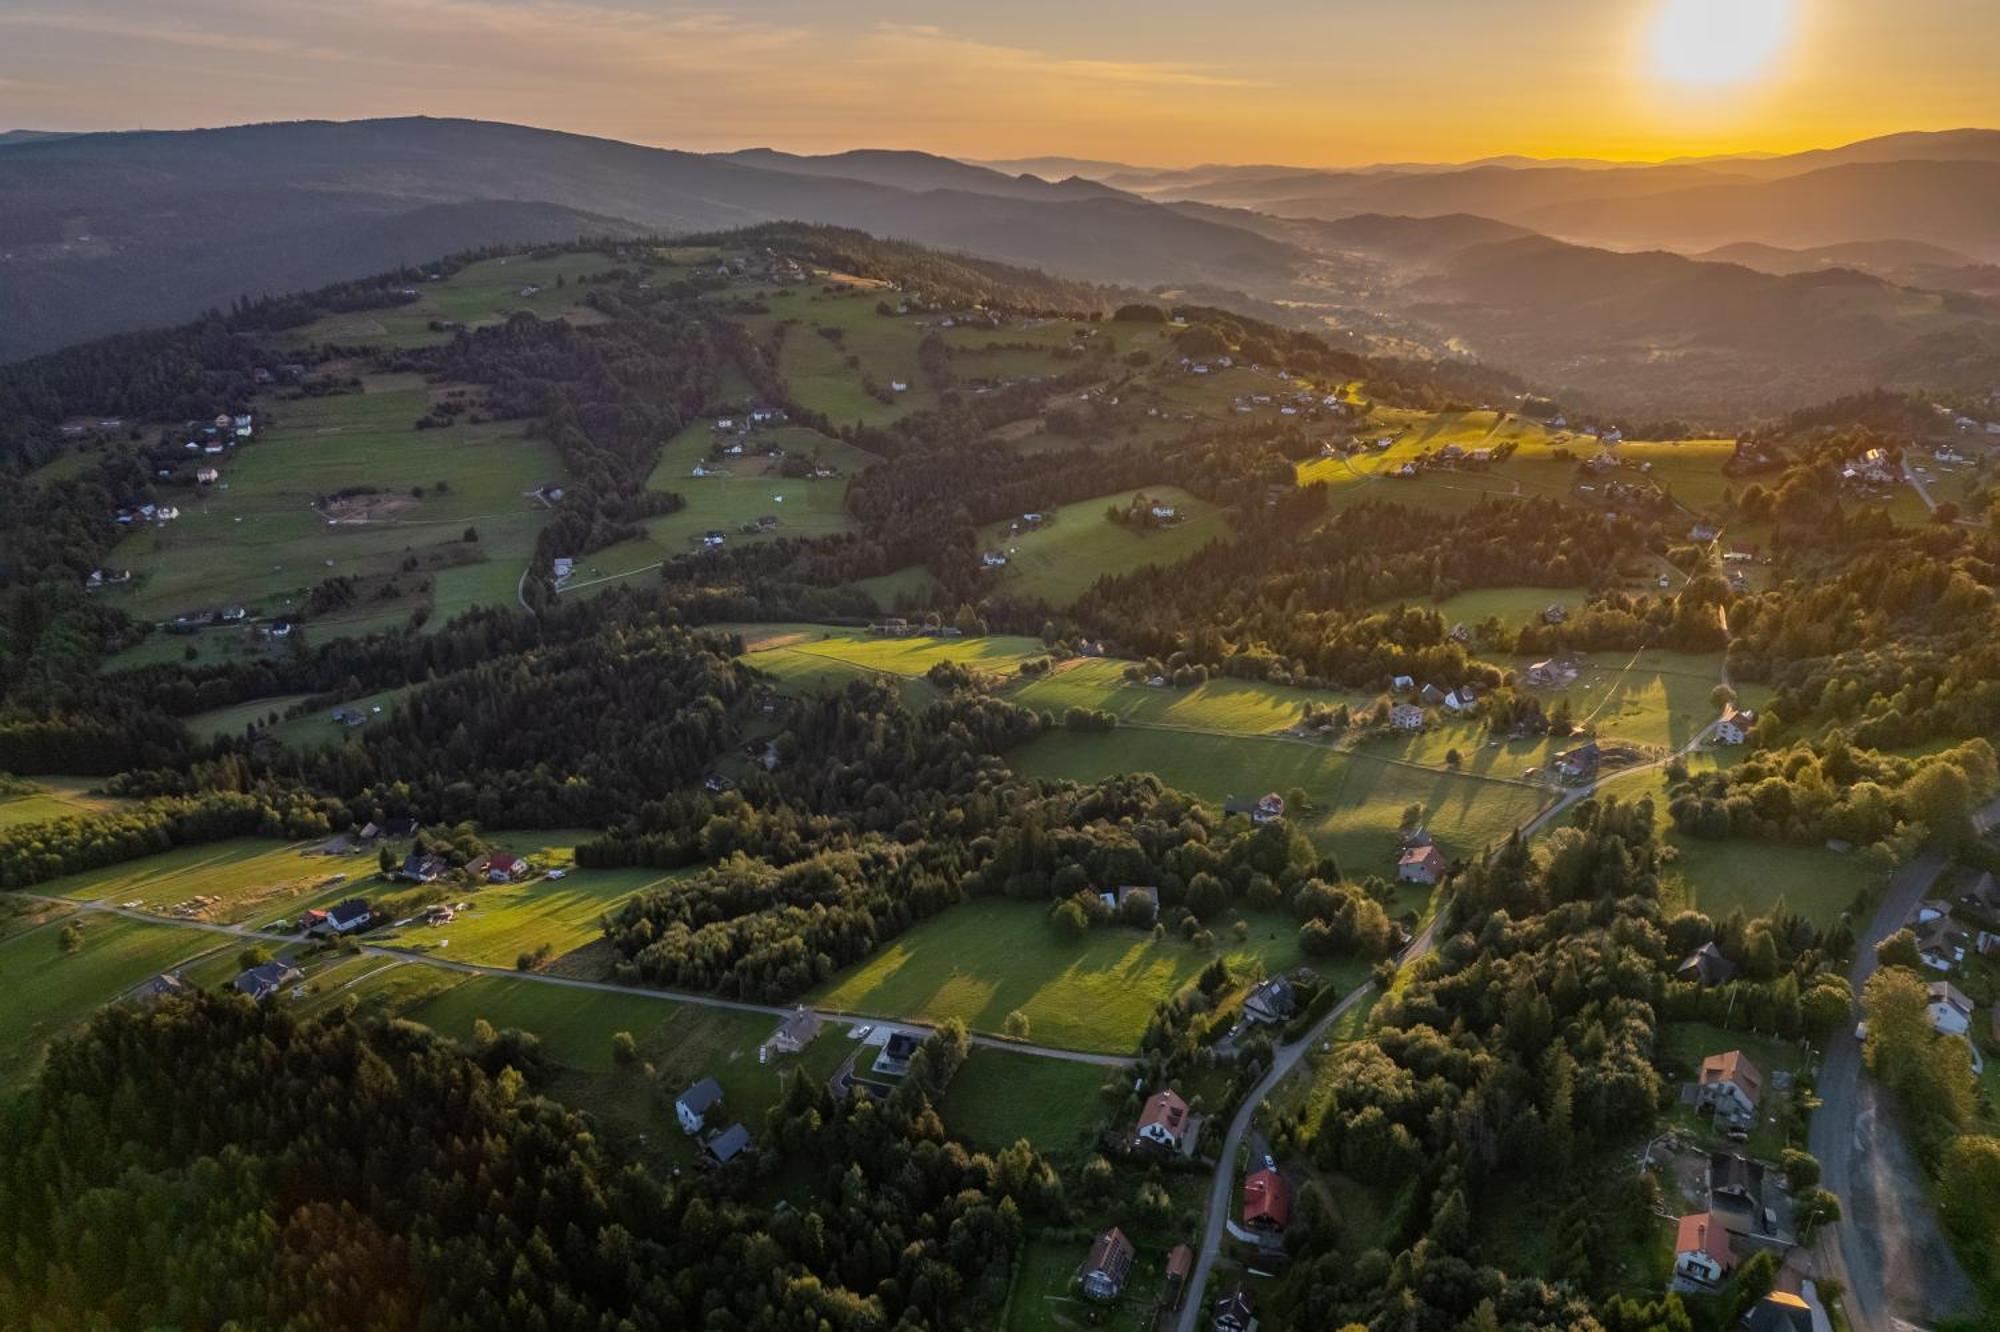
[693, 1105]
[1949, 1010]
[1701, 1249]
[1163, 1121]
[1406, 717]
[1731, 1085]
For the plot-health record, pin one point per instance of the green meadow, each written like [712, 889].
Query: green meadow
[982, 960]
[54, 798]
[45, 992]
[1060, 560]
[250, 879]
[1753, 876]
[257, 539]
[1355, 802]
[487, 292]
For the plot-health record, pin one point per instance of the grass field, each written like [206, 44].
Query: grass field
[736, 491]
[499, 922]
[806, 657]
[1716, 878]
[1356, 802]
[1079, 544]
[54, 798]
[257, 539]
[483, 293]
[982, 960]
[1247, 707]
[1512, 606]
[43, 992]
[830, 377]
[1654, 697]
[1043, 1300]
[1000, 1097]
[252, 878]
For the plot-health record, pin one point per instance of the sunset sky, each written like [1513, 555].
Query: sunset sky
[1168, 82]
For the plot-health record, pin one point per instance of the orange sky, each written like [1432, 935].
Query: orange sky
[1168, 82]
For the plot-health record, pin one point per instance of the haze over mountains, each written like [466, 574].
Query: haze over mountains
[1797, 275]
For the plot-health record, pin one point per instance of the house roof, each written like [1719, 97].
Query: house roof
[1780, 1311]
[800, 1026]
[351, 910]
[1944, 992]
[1731, 1066]
[1730, 1173]
[1267, 1197]
[729, 1143]
[1422, 855]
[1110, 1253]
[1702, 1232]
[1164, 1110]
[1236, 1307]
[265, 978]
[1180, 1261]
[698, 1098]
[505, 863]
[1709, 964]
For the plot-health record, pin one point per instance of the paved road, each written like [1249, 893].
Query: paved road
[1888, 1253]
[577, 983]
[1222, 1192]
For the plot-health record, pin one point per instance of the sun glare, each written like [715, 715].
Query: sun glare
[1719, 41]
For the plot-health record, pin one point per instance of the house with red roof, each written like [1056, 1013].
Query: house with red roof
[1163, 1122]
[1267, 1202]
[1701, 1249]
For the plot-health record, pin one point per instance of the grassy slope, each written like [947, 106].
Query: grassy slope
[1080, 545]
[983, 960]
[56, 798]
[43, 992]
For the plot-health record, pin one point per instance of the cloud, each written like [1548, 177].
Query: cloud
[929, 43]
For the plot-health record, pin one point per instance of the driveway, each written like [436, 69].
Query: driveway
[1888, 1253]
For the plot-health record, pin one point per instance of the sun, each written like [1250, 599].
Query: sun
[1716, 42]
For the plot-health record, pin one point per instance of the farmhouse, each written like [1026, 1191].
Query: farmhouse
[1420, 864]
[1267, 1202]
[1705, 966]
[796, 1032]
[1163, 1122]
[1108, 1267]
[1180, 1266]
[1731, 1086]
[1580, 764]
[349, 916]
[264, 981]
[506, 868]
[1431, 696]
[1734, 726]
[1949, 1010]
[1701, 1249]
[207, 476]
[163, 986]
[993, 559]
[1703, 533]
[691, 1107]
[1462, 699]
[1406, 717]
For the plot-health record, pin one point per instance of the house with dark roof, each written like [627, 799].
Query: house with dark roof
[691, 1107]
[897, 1051]
[1940, 943]
[264, 981]
[422, 867]
[1702, 1252]
[1949, 1010]
[1235, 1311]
[1108, 1266]
[349, 916]
[1163, 1121]
[1705, 966]
[1272, 1002]
[726, 1146]
[163, 986]
[1780, 1311]
[1267, 1202]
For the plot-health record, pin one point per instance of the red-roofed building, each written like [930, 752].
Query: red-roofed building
[505, 868]
[1164, 1120]
[1267, 1202]
[1421, 864]
[1701, 1249]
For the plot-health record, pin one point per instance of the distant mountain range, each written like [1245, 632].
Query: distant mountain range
[103, 231]
[1796, 275]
